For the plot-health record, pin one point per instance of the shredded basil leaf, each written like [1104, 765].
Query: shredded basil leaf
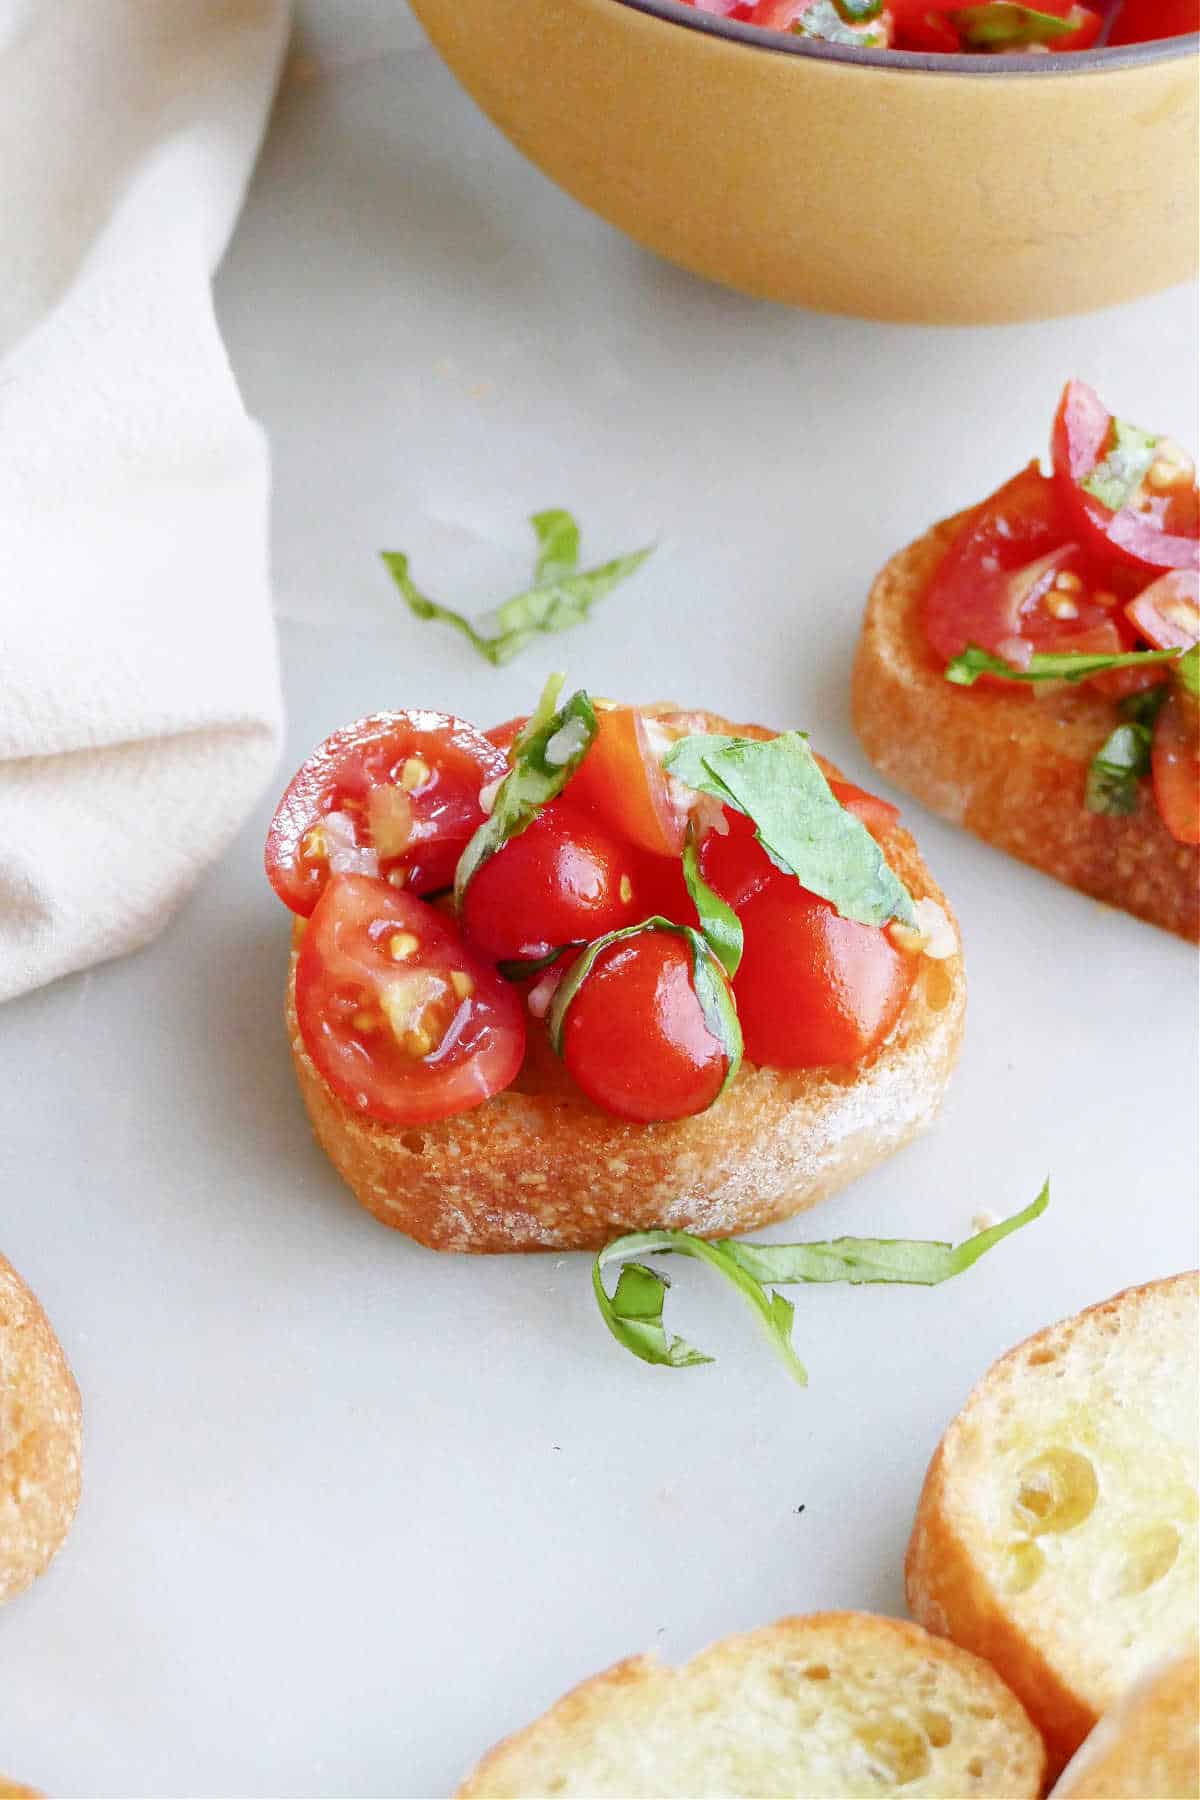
[802, 828]
[524, 971]
[857, 12]
[1004, 25]
[1116, 769]
[718, 921]
[561, 594]
[1187, 671]
[1069, 665]
[708, 983]
[827, 20]
[1129, 451]
[1144, 707]
[544, 757]
[633, 1313]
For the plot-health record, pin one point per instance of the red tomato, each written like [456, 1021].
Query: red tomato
[877, 815]
[401, 1019]
[562, 880]
[813, 988]
[1167, 613]
[1013, 582]
[635, 1038]
[622, 782]
[396, 794]
[1175, 767]
[735, 865]
[957, 25]
[503, 735]
[1158, 526]
[1140, 20]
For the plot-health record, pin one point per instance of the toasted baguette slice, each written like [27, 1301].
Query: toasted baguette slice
[539, 1167]
[1147, 1747]
[1008, 764]
[40, 1428]
[828, 1707]
[1056, 1532]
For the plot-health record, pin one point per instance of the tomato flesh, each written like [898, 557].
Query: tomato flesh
[562, 880]
[1157, 526]
[1167, 613]
[635, 1038]
[1139, 21]
[814, 989]
[879, 816]
[1175, 767]
[401, 1018]
[396, 794]
[622, 782]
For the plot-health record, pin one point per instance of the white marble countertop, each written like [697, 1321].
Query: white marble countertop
[353, 1510]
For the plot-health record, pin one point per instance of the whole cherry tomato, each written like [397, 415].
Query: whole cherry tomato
[562, 880]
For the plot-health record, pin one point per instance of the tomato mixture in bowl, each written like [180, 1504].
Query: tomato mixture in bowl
[986, 26]
[660, 900]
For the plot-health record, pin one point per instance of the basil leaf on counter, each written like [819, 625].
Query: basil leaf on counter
[561, 595]
[544, 757]
[1004, 25]
[1069, 665]
[719, 923]
[1128, 453]
[777, 783]
[708, 984]
[633, 1313]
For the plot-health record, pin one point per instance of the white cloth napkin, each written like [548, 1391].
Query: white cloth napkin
[139, 692]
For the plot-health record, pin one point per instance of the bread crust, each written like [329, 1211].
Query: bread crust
[40, 1437]
[1009, 765]
[1148, 1744]
[539, 1167]
[563, 1736]
[949, 1589]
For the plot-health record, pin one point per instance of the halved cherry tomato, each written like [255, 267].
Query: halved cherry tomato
[404, 1022]
[1138, 21]
[1157, 524]
[1175, 767]
[635, 1038]
[1013, 582]
[1167, 613]
[813, 988]
[623, 783]
[562, 880]
[396, 794]
[879, 816]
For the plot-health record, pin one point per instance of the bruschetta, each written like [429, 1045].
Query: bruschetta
[40, 1433]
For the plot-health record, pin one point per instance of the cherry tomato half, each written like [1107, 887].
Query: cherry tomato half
[403, 1021]
[635, 1037]
[623, 783]
[396, 794]
[1138, 21]
[1167, 613]
[1157, 524]
[812, 988]
[1175, 767]
[562, 880]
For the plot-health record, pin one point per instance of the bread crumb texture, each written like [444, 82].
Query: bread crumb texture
[829, 1707]
[539, 1167]
[1057, 1529]
[1008, 763]
[40, 1435]
[1147, 1747]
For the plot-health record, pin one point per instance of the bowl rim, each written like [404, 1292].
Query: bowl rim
[778, 43]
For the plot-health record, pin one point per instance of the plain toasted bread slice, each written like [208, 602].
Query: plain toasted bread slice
[1008, 764]
[1056, 1531]
[1147, 1747]
[539, 1167]
[40, 1429]
[828, 1707]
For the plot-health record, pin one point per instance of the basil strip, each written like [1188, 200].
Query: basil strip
[1128, 453]
[857, 12]
[522, 971]
[1069, 665]
[708, 983]
[1117, 767]
[561, 595]
[1004, 25]
[1187, 672]
[544, 758]
[777, 783]
[633, 1313]
[719, 923]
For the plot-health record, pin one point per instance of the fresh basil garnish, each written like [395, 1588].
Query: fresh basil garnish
[1124, 756]
[1187, 672]
[544, 757]
[1004, 25]
[708, 982]
[633, 1312]
[777, 783]
[562, 595]
[524, 971]
[718, 921]
[1128, 453]
[1069, 665]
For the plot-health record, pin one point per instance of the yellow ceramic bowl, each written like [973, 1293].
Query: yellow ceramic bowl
[942, 189]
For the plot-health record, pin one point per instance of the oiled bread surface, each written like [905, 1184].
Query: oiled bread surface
[1056, 1533]
[539, 1167]
[1009, 765]
[830, 1707]
[40, 1430]
[1147, 1745]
